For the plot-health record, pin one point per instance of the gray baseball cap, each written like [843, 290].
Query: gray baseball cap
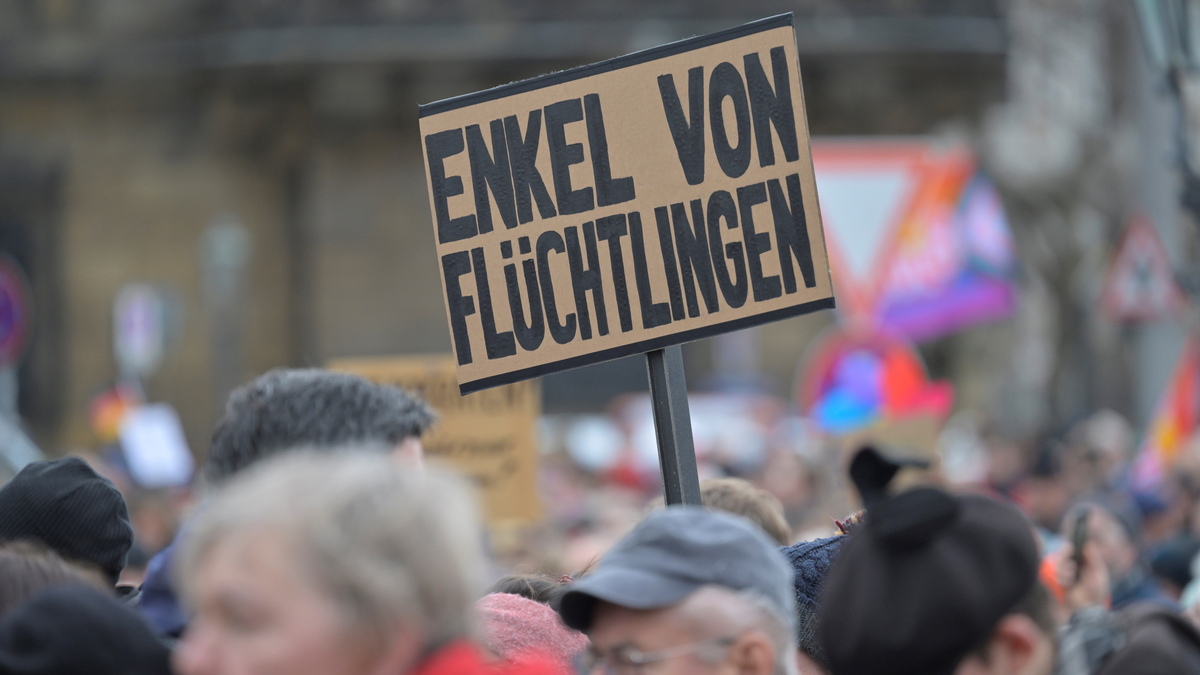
[674, 552]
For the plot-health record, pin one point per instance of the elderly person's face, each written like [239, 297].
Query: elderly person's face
[702, 634]
[256, 612]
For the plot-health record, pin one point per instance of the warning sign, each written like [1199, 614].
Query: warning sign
[489, 436]
[1140, 284]
[624, 206]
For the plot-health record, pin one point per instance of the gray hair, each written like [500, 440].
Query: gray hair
[749, 609]
[322, 409]
[384, 543]
[779, 628]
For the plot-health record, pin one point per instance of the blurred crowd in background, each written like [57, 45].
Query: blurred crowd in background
[197, 192]
[595, 482]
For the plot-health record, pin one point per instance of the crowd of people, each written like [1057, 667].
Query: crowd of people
[322, 543]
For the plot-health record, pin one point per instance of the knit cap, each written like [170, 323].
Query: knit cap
[950, 566]
[72, 510]
[516, 628]
[811, 561]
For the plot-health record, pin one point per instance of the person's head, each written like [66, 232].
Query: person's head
[1046, 496]
[329, 563]
[741, 497]
[935, 584]
[1114, 531]
[70, 509]
[1171, 564]
[536, 587]
[288, 409]
[1097, 447]
[811, 562]
[27, 569]
[519, 630]
[691, 590]
[1155, 639]
[79, 629]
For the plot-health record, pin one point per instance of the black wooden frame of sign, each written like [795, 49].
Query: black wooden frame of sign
[673, 426]
[664, 355]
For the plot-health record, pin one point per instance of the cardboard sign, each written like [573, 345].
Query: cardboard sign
[155, 448]
[489, 436]
[625, 206]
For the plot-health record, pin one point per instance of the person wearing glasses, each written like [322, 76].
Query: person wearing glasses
[687, 591]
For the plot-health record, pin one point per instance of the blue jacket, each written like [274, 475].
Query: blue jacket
[158, 602]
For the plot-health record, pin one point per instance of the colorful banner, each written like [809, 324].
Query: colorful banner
[1174, 422]
[952, 265]
[933, 255]
[851, 381]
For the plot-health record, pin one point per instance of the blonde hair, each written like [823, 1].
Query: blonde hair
[27, 568]
[384, 543]
[741, 497]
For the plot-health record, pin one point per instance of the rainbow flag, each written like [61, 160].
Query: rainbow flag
[1175, 421]
[108, 409]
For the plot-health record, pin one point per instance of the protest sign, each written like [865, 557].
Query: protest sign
[625, 206]
[489, 436]
[154, 446]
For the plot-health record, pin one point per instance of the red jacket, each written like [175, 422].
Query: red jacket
[464, 658]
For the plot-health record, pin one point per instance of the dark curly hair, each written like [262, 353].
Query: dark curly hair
[286, 409]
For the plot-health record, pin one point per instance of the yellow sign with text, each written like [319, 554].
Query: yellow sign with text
[490, 436]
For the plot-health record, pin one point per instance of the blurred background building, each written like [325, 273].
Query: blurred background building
[256, 165]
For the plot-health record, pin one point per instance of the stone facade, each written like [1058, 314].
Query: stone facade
[141, 128]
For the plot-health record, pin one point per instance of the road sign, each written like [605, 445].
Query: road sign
[867, 188]
[139, 329]
[1140, 284]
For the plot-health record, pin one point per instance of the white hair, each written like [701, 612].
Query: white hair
[749, 610]
[780, 628]
[384, 543]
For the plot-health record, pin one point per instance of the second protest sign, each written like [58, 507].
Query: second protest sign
[625, 206]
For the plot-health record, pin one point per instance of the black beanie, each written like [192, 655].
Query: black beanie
[72, 510]
[923, 581]
[76, 629]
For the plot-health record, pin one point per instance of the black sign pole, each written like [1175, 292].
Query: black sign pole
[673, 425]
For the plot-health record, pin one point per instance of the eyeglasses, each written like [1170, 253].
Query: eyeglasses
[629, 659]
